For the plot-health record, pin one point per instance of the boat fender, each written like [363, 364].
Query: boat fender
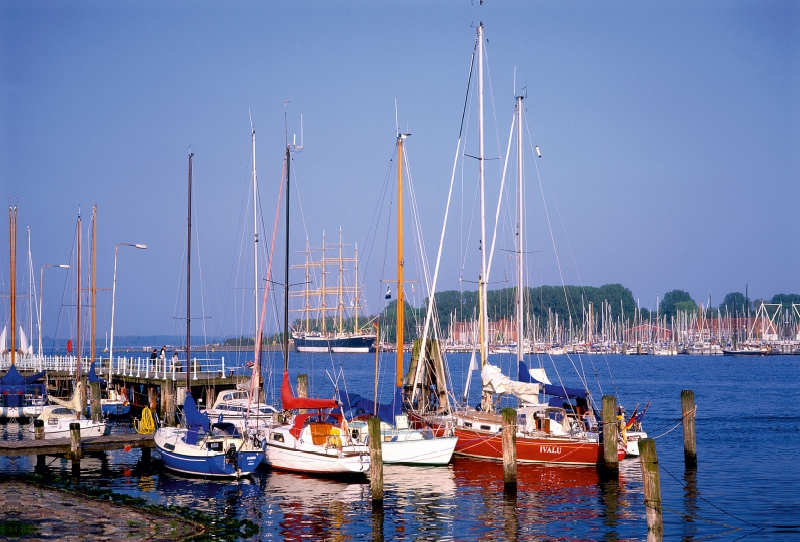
[345, 429]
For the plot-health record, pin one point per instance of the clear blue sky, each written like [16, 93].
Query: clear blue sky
[669, 132]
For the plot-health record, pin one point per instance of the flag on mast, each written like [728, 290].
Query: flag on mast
[388, 293]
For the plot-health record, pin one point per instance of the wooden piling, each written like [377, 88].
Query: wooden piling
[610, 457]
[152, 397]
[38, 429]
[652, 486]
[97, 407]
[688, 411]
[75, 451]
[210, 398]
[376, 460]
[510, 448]
[302, 388]
[168, 402]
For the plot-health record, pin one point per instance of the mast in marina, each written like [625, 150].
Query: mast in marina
[188, 280]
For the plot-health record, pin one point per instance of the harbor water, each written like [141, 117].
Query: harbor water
[745, 486]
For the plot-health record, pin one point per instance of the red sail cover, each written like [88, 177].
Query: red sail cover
[290, 402]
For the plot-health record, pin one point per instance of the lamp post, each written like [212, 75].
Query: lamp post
[113, 299]
[41, 293]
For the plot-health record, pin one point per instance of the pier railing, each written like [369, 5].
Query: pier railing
[139, 367]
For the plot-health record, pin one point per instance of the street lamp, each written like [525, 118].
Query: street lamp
[113, 298]
[41, 292]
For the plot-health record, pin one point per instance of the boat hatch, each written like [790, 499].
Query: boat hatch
[320, 432]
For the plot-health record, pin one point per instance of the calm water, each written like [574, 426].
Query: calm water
[745, 486]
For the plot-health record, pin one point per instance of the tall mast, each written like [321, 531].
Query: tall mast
[341, 278]
[12, 259]
[78, 350]
[286, 269]
[484, 329]
[355, 325]
[255, 242]
[401, 304]
[520, 226]
[94, 278]
[188, 279]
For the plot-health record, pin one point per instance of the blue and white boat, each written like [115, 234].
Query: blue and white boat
[205, 449]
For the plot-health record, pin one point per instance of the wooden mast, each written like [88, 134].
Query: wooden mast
[188, 280]
[400, 262]
[78, 352]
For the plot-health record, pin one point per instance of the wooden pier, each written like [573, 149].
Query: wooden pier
[63, 446]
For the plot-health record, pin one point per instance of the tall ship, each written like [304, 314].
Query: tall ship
[329, 321]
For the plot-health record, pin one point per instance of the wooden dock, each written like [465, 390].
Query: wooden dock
[62, 446]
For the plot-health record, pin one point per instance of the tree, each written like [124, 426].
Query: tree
[734, 302]
[669, 305]
[786, 300]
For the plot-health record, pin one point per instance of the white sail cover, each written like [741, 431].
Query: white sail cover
[540, 375]
[496, 383]
[3, 340]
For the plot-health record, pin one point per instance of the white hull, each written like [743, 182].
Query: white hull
[312, 349]
[283, 451]
[434, 451]
[350, 350]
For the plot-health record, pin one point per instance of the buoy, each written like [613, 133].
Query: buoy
[127, 448]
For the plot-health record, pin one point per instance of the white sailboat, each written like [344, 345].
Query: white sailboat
[318, 442]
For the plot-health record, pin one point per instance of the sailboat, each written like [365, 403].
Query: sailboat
[402, 443]
[548, 432]
[59, 415]
[318, 442]
[354, 341]
[199, 447]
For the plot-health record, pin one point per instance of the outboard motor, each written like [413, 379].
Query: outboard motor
[231, 456]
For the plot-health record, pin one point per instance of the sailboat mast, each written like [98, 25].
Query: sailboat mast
[401, 303]
[94, 280]
[255, 244]
[78, 352]
[286, 269]
[482, 280]
[188, 279]
[520, 283]
[12, 259]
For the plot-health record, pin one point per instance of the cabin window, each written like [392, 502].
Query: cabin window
[277, 436]
[486, 427]
[467, 424]
[215, 446]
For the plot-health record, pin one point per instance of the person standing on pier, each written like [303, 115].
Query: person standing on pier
[153, 359]
[176, 363]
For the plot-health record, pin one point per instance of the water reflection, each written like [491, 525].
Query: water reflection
[690, 503]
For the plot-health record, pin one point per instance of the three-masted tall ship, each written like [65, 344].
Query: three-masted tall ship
[324, 298]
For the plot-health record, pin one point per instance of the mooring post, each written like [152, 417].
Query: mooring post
[652, 486]
[510, 448]
[152, 398]
[168, 402]
[689, 411]
[97, 408]
[375, 460]
[38, 429]
[75, 451]
[302, 388]
[610, 430]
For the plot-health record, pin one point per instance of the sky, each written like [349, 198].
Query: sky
[668, 132]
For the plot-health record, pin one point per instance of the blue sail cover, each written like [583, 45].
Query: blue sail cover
[93, 375]
[358, 405]
[13, 378]
[194, 418]
[550, 389]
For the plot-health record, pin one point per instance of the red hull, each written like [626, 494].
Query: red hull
[529, 450]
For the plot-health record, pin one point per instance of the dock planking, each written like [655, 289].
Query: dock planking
[61, 446]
